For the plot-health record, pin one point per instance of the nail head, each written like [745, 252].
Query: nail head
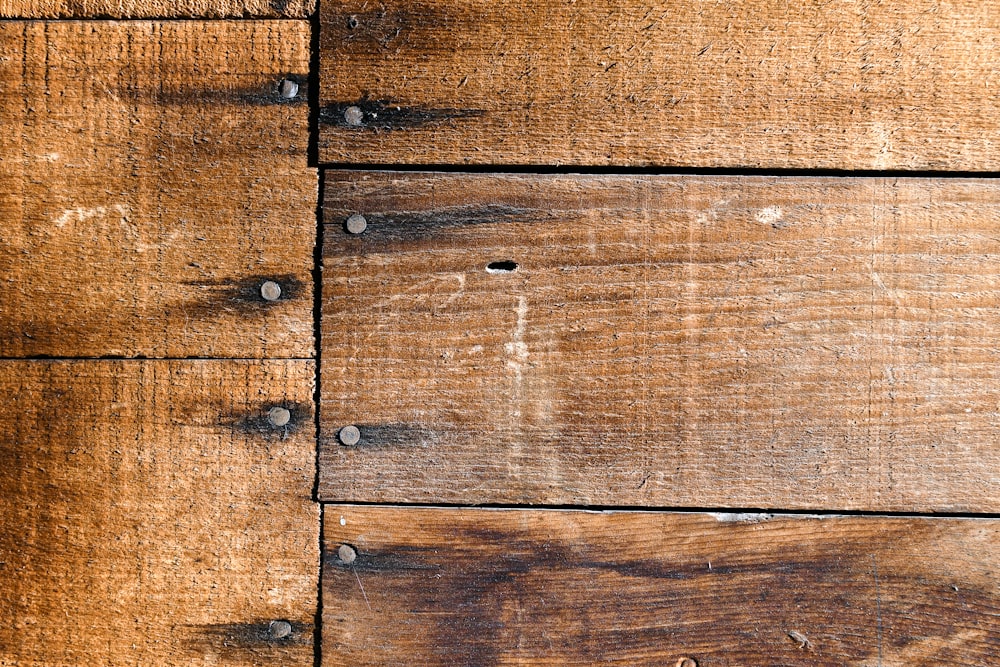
[278, 416]
[687, 662]
[279, 629]
[346, 554]
[349, 435]
[354, 116]
[356, 224]
[270, 291]
[289, 89]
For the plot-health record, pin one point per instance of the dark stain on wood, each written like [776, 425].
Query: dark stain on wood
[389, 115]
[387, 436]
[254, 636]
[257, 422]
[242, 294]
[386, 228]
[265, 93]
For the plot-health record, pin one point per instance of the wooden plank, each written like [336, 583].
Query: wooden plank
[151, 515]
[482, 587]
[155, 179]
[845, 85]
[152, 9]
[811, 343]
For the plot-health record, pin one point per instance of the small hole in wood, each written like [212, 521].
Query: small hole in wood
[352, 22]
[505, 266]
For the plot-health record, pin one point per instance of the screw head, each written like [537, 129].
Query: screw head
[354, 116]
[346, 554]
[356, 224]
[278, 416]
[279, 629]
[270, 291]
[349, 435]
[289, 89]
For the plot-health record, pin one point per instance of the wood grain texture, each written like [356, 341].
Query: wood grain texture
[152, 9]
[150, 515]
[151, 179]
[482, 587]
[844, 85]
[811, 343]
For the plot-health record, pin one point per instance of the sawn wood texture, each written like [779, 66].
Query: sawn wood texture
[842, 85]
[152, 178]
[151, 515]
[518, 587]
[152, 9]
[809, 343]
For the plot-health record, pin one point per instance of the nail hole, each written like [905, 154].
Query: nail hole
[505, 266]
[352, 22]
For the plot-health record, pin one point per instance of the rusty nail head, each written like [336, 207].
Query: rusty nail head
[278, 416]
[279, 629]
[349, 435]
[346, 554]
[356, 224]
[289, 89]
[270, 291]
[687, 662]
[354, 116]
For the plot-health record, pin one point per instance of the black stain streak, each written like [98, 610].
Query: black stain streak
[379, 436]
[267, 93]
[257, 422]
[387, 115]
[410, 226]
[241, 295]
[403, 559]
[234, 638]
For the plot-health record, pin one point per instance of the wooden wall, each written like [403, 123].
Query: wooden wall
[495, 333]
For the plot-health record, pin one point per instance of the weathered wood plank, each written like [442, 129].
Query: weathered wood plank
[152, 9]
[153, 178]
[151, 515]
[845, 85]
[664, 341]
[482, 587]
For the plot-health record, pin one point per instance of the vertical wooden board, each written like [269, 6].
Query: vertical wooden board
[844, 85]
[153, 178]
[151, 515]
[517, 587]
[810, 343]
[151, 9]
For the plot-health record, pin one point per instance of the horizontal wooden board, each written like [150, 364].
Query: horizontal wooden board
[151, 515]
[844, 85]
[139, 9]
[812, 343]
[516, 587]
[153, 178]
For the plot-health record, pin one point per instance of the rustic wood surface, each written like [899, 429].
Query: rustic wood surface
[138, 9]
[482, 587]
[845, 85]
[811, 343]
[153, 180]
[151, 515]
